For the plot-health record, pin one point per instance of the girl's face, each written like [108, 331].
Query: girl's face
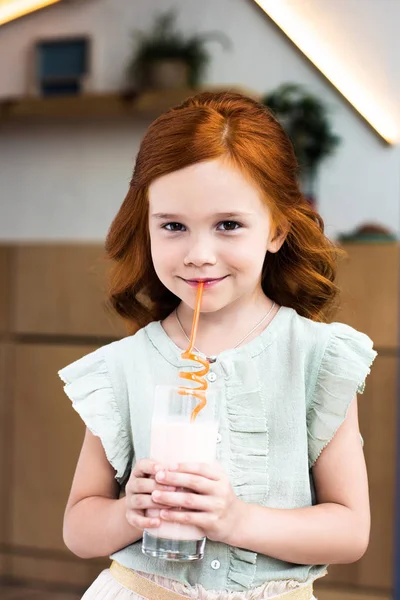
[208, 223]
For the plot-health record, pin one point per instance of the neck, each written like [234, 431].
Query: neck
[215, 331]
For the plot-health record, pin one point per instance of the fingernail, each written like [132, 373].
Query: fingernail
[160, 475]
[156, 494]
[154, 522]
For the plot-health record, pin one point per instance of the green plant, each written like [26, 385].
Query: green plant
[305, 120]
[164, 41]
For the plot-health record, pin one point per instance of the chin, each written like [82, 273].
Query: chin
[212, 300]
[210, 305]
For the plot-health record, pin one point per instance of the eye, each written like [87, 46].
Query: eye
[174, 227]
[228, 226]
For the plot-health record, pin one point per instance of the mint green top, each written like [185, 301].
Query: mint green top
[282, 398]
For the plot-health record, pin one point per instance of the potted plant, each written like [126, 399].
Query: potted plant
[305, 120]
[166, 58]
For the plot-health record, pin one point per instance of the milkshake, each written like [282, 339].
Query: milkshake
[176, 439]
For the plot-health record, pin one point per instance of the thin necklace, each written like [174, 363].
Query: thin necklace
[212, 359]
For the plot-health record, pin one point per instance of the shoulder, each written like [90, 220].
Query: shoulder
[336, 356]
[135, 344]
[331, 353]
[317, 337]
[111, 359]
[343, 359]
[98, 388]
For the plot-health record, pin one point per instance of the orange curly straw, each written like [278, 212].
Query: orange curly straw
[198, 376]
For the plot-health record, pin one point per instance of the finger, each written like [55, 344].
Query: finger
[142, 502]
[141, 522]
[209, 470]
[186, 500]
[197, 483]
[144, 466]
[140, 485]
[200, 519]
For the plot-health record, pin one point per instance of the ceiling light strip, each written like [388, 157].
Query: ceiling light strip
[313, 47]
[13, 9]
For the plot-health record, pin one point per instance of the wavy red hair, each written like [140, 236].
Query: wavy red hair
[205, 127]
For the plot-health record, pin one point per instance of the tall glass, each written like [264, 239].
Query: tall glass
[175, 439]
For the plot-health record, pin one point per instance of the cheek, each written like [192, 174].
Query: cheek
[157, 254]
[164, 256]
[248, 256]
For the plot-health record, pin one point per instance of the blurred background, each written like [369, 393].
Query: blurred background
[80, 81]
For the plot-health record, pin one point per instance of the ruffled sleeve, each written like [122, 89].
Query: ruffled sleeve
[99, 396]
[345, 364]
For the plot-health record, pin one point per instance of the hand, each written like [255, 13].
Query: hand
[208, 499]
[138, 491]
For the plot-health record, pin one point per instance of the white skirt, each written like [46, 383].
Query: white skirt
[105, 587]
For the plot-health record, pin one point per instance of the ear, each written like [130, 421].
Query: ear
[277, 240]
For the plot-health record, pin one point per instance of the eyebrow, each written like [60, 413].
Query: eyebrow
[225, 215]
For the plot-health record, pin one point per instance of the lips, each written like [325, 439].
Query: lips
[208, 282]
[205, 279]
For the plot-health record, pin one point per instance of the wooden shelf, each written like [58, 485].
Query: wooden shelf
[96, 106]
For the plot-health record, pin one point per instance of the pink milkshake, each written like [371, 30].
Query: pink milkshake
[174, 439]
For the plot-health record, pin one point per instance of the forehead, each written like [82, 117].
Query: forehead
[211, 185]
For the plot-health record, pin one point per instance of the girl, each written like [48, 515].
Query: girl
[214, 197]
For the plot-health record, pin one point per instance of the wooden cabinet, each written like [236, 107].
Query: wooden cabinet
[3, 442]
[51, 313]
[47, 437]
[369, 278]
[60, 290]
[5, 267]
[4, 459]
[46, 440]
[378, 419]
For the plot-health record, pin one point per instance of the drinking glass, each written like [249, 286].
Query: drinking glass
[175, 439]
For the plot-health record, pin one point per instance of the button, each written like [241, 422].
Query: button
[211, 377]
[215, 564]
[219, 438]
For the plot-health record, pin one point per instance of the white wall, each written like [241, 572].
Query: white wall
[67, 181]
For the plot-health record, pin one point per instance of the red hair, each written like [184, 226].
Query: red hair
[205, 127]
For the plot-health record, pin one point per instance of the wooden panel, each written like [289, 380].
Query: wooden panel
[4, 569]
[48, 435]
[377, 415]
[342, 594]
[369, 278]
[3, 428]
[5, 453]
[343, 575]
[4, 289]
[60, 290]
[5, 443]
[69, 572]
[21, 592]
[379, 410]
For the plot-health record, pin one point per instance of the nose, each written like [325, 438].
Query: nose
[200, 252]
